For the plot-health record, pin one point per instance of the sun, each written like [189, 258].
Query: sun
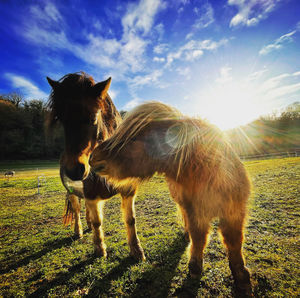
[230, 105]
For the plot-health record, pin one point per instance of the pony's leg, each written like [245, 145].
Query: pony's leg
[198, 231]
[75, 202]
[175, 193]
[184, 223]
[87, 217]
[232, 232]
[95, 211]
[129, 218]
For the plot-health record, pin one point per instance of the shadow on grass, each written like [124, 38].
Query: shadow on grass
[64, 278]
[60, 279]
[161, 274]
[156, 281]
[189, 288]
[13, 264]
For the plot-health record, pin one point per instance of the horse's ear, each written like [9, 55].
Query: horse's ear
[101, 88]
[52, 83]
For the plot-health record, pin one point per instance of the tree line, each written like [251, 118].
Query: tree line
[23, 134]
[22, 130]
[277, 132]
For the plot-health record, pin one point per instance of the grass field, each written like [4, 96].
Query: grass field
[39, 257]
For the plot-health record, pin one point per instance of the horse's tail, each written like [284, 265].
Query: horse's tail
[68, 213]
[139, 118]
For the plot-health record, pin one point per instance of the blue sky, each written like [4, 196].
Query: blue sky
[227, 61]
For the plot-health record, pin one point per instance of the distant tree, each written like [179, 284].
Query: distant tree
[14, 97]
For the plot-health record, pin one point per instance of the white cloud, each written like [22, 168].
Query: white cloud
[194, 49]
[189, 35]
[192, 55]
[131, 104]
[159, 59]
[42, 36]
[257, 74]
[250, 13]
[140, 17]
[206, 18]
[160, 48]
[29, 90]
[120, 55]
[225, 75]
[283, 91]
[160, 29]
[46, 14]
[149, 79]
[275, 82]
[185, 72]
[278, 43]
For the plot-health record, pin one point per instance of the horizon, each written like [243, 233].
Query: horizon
[229, 62]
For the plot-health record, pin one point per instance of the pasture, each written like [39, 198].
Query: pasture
[40, 257]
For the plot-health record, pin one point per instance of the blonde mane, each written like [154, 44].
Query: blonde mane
[138, 119]
[184, 136]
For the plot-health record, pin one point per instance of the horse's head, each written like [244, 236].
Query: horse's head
[75, 102]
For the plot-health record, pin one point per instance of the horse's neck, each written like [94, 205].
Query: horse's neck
[110, 117]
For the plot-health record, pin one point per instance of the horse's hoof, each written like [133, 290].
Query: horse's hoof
[186, 236]
[89, 224]
[195, 268]
[100, 252]
[242, 282]
[137, 252]
[244, 290]
[78, 235]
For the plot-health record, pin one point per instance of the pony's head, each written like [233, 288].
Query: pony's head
[142, 144]
[75, 101]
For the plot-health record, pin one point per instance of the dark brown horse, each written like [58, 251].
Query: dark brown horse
[205, 177]
[89, 116]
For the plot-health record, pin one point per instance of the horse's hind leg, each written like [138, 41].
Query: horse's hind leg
[232, 232]
[75, 202]
[198, 231]
[129, 218]
[95, 211]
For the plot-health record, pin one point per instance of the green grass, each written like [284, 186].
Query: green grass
[39, 257]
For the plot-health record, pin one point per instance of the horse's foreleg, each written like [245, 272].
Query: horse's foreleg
[95, 212]
[232, 232]
[129, 218]
[87, 217]
[75, 202]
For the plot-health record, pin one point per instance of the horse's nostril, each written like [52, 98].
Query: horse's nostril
[80, 169]
[76, 173]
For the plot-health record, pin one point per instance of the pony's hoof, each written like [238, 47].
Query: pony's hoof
[137, 252]
[242, 282]
[195, 268]
[186, 236]
[89, 224]
[244, 290]
[100, 252]
[78, 234]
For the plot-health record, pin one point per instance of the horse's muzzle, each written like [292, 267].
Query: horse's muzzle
[76, 173]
